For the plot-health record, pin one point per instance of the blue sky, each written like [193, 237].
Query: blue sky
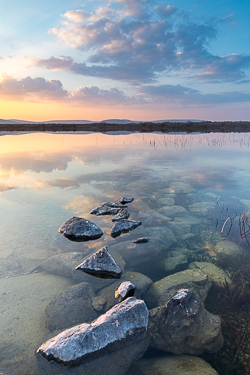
[136, 59]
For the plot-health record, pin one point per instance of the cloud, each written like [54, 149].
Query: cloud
[62, 183]
[19, 162]
[94, 95]
[178, 94]
[139, 40]
[30, 88]
[5, 187]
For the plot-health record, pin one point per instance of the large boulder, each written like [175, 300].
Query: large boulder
[112, 342]
[164, 289]
[184, 326]
[79, 229]
[172, 365]
[71, 307]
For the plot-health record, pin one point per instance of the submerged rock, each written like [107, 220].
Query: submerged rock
[123, 326]
[62, 264]
[135, 253]
[125, 200]
[122, 214]
[101, 264]
[184, 326]
[71, 307]
[124, 290]
[172, 365]
[141, 240]
[164, 289]
[79, 229]
[216, 274]
[124, 226]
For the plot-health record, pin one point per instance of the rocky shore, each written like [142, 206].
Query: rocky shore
[143, 127]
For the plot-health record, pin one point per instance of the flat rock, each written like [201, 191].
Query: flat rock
[184, 326]
[166, 201]
[62, 264]
[216, 274]
[163, 290]
[126, 324]
[124, 226]
[71, 307]
[100, 264]
[79, 229]
[172, 365]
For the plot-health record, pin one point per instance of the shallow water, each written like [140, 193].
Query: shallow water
[198, 183]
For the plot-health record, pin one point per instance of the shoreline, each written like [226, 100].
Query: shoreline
[142, 127]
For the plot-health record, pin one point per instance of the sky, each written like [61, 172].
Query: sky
[141, 60]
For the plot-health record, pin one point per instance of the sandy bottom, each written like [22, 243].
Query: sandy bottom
[22, 319]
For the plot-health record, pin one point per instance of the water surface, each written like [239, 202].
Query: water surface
[47, 178]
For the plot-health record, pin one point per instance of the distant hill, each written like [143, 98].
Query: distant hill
[108, 121]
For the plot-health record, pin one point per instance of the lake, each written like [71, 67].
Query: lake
[191, 192]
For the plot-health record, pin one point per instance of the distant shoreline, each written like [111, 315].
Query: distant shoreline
[142, 127]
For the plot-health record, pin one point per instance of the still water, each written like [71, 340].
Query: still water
[191, 193]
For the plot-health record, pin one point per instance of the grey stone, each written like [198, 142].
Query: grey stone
[100, 264]
[184, 326]
[96, 282]
[122, 214]
[163, 290]
[79, 229]
[126, 324]
[62, 264]
[141, 240]
[172, 365]
[106, 208]
[124, 290]
[124, 226]
[126, 199]
[71, 307]
[140, 281]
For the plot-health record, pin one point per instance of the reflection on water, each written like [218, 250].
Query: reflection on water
[191, 193]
